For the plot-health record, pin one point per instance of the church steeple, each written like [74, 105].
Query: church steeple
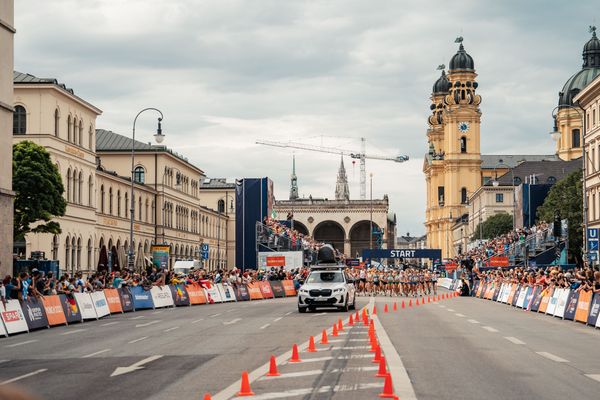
[342, 192]
[294, 181]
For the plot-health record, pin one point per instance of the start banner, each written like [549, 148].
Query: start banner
[54, 310]
[13, 318]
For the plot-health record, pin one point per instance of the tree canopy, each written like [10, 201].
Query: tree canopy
[566, 199]
[497, 224]
[38, 187]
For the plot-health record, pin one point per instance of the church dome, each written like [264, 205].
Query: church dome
[461, 60]
[442, 85]
[590, 70]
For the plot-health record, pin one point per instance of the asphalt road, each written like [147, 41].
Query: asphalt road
[461, 348]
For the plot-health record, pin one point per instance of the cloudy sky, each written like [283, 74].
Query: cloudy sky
[228, 72]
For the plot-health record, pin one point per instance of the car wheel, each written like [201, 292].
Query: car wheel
[301, 309]
[345, 307]
[353, 306]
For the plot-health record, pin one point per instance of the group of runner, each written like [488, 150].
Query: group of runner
[409, 282]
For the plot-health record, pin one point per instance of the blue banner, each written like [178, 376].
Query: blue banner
[141, 298]
[434, 254]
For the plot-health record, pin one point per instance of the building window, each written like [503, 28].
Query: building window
[499, 197]
[138, 174]
[91, 138]
[56, 122]
[118, 203]
[463, 144]
[90, 190]
[126, 204]
[440, 195]
[55, 244]
[221, 206]
[551, 180]
[81, 133]
[576, 138]
[69, 128]
[463, 196]
[69, 185]
[140, 208]
[102, 199]
[79, 188]
[110, 201]
[19, 120]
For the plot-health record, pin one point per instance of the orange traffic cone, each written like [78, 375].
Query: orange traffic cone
[403, 305]
[382, 373]
[340, 325]
[351, 321]
[324, 337]
[365, 320]
[388, 390]
[356, 317]
[377, 355]
[385, 308]
[245, 388]
[311, 345]
[273, 368]
[207, 396]
[395, 306]
[374, 346]
[295, 357]
[335, 330]
[428, 299]
[410, 303]
[374, 310]
[371, 327]
[417, 302]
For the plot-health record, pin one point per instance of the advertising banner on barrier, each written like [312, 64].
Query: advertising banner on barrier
[196, 294]
[513, 292]
[2, 328]
[594, 310]
[226, 291]
[86, 305]
[571, 307]
[54, 310]
[561, 303]
[100, 304]
[180, 295]
[212, 294]
[277, 288]
[515, 299]
[241, 293]
[113, 300]
[12, 316]
[70, 308]
[161, 296]
[35, 315]
[254, 291]
[265, 289]
[536, 299]
[126, 299]
[546, 300]
[528, 296]
[497, 293]
[142, 299]
[583, 306]
[288, 287]
[553, 301]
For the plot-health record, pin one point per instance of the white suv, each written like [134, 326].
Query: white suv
[327, 286]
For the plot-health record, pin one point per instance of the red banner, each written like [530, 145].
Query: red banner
[276, 261]
[498, 261]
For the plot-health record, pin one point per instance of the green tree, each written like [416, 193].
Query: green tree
[566, 199]
[496, 225]
[39, 188]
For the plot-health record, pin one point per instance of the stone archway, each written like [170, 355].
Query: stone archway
[360, 238]
[300, 228]
[330, 232]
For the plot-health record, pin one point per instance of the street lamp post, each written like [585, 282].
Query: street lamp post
[555, 134]
[371, 213]
[159, 137]
[495, 183]
[219, 229]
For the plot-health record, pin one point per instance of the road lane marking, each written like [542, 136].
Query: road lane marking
[18, 378]
[138, 340]
[473, 321]
[460, 315]
[514, 340]
[147, 324]
[552, 357]
[265, 326]
[21, 343]
[323, 313]
[595, 377]
[138, 317]
[402, 383]
[214, 315]
[490, 329]
[233, 321]
[450, 310]
[134, 367]
[322, 389]
[292, 374]
[277, 319]
[197, 320]
[110, 323]
[232, 310]
[328, 358]
[358, 340]
[95, 354]
[442, 306]
[3, 361]
[171, 329]
[157, 312]
[288, 313]
[350, 347]
[74, 331]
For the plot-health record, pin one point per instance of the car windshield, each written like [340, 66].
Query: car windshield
[325, 277]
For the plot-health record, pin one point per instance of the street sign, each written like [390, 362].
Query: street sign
[592, 234]
[204, 248]
[592, 245]
[593, 256]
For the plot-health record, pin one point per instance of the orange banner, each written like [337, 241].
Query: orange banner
[275, 261]
[54, 310]
[196, 294]
[113, 300]
[254, 291]
[583, 306]
[265, 289]
[513, 291]
[545, 300]
[288, 287]
[498, 261]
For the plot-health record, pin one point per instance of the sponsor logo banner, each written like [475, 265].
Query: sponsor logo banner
[113, 300]
[54, 310]
[100, 304]
[35, 315]
[142, 299]
[126, 299]
[70, 308]
[277, 288]
[86, 305]
[12, 316]
[180, 295]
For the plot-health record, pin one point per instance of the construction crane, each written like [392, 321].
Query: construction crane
[359, 155]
